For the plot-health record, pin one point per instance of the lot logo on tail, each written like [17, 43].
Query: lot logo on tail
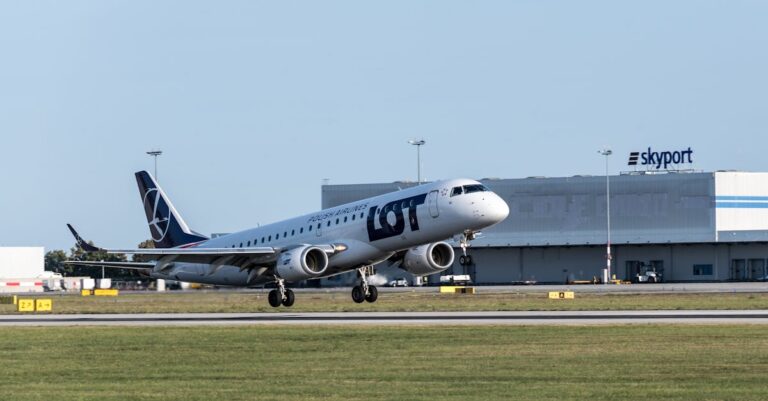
[159, 223]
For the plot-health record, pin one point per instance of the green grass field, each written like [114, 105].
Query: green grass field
[230, 301]
[641, 362]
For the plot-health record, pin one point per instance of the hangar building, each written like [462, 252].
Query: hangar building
[689, 226]
[20, 268]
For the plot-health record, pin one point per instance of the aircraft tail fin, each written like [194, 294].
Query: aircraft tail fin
[167, 227]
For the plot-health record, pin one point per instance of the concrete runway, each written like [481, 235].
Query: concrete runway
[397, 318]
[660, 288]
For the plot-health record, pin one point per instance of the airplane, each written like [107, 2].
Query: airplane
[409, 228]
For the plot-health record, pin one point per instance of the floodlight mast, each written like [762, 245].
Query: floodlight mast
[155, 153]
[607, 152]
[160, 283]
[418, 143]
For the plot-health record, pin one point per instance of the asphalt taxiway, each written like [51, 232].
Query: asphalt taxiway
[396, 318]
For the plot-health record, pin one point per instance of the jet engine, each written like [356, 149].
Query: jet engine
[301, 263]
[428, 259]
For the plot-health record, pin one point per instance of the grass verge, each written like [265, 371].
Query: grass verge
[251, 301]
[646, 362]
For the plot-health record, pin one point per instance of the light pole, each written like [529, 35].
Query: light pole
[417, 280]
[607, 152]
[155, 153]
[160, 283]
[418, 143]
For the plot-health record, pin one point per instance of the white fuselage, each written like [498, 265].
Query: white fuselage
[411, 217]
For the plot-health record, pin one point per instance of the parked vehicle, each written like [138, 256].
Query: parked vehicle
[456, 279]
[398, 282]
[648, 275]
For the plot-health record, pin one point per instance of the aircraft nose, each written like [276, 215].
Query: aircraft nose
[499, 209]
[495, 211]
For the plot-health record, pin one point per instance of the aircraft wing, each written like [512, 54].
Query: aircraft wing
[231, 256]
[203, 252]
[116, 265]
[242, 257]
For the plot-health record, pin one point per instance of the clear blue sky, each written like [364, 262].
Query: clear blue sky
[255, 103]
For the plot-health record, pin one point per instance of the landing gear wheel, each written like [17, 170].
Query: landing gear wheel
[464, 239]
[364, 291]
[289, 298]
[358, 295]
[465, 260]
[373, 294]
[274, 298]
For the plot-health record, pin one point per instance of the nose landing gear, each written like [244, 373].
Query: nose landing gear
[464, 238]
[364, 291]
[465, 260]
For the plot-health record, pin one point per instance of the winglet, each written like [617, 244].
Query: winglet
[81, 243]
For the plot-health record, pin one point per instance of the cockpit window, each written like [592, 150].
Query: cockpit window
[468, 189]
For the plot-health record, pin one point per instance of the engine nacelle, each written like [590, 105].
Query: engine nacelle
[428, 259]
[301, 263]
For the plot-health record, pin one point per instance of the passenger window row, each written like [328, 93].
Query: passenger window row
[268, 239]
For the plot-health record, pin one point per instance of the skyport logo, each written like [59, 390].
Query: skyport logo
[658, 159]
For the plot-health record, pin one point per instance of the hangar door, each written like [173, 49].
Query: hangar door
[756, 269]
[747, 269]
[738, 267]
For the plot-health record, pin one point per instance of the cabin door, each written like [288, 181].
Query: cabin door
[432, 203]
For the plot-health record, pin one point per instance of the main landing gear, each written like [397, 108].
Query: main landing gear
[364, 291]
[281, 295]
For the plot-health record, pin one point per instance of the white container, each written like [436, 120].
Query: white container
[87, 284]
[104, 283]
[53, 284]
[70, 284]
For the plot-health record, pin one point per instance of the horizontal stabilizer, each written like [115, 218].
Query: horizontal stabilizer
[81, 242]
